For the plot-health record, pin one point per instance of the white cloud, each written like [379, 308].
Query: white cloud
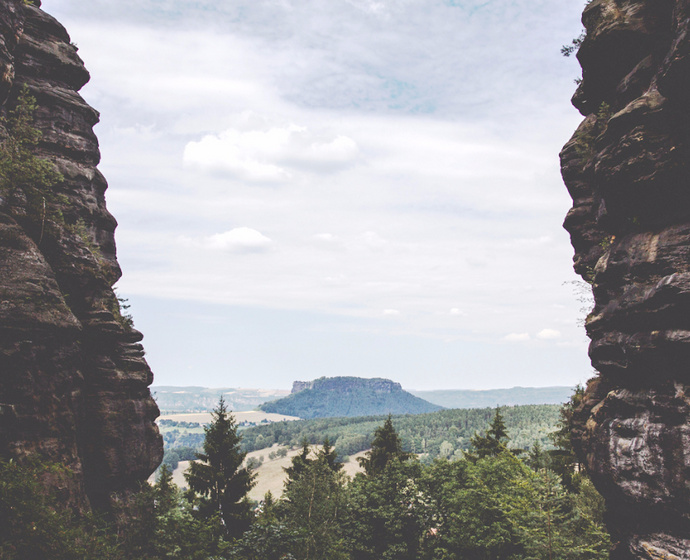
[391, 312]
[325, 237]
[548, 334]
[517, 337]
[271, 153]
[242, 239]
[404, 184]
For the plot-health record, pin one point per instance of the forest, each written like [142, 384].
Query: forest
[445, 433]
[486, 503]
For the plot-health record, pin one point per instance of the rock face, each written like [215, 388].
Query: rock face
[347, 384]
[626, 168]
[73, 379]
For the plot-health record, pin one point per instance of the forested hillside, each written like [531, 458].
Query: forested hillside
[349, 396]
[445, 433]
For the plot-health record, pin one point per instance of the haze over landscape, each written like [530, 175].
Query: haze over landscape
[345, 188]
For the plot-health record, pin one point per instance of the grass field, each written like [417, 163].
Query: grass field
[270, 475]
[256, 416]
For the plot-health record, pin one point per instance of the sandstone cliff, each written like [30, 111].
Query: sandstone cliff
[626, 168]
[73, 379]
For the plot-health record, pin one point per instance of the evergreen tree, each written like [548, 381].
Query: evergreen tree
[385, 447]
[312, 507]
[563, 459]
[537, 459]
[330, 455]
[387, 514]
[492, 442]
[299, 462]
[219, 477]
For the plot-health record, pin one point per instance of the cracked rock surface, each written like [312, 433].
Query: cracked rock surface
[74, 384]
[626, 169]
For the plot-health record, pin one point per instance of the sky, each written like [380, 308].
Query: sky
[310, 188]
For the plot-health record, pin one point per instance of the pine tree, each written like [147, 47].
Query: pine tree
[563, 459]
[492, 442]
[385, 447]
[330, 455]
[299, 462]
[219, 477]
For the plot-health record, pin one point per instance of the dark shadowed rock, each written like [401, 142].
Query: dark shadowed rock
[626, 168]
[73, 379]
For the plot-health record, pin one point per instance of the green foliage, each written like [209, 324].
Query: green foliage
[34, 527]
[164, 525]
[26, 180]
[388, 514]
[385, 447]
[493, 442]
[312, 506]
[219, 478]
[422, 433]
[585, 147]
[562, 458]
[575, 44]
[493, 507]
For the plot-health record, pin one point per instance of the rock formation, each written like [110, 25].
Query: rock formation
[348, 396]
[626, 170]
[73, 379]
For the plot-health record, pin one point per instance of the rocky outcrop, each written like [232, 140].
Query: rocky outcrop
[626, 168]
[73, 378]
[347, 384]
[348, 396]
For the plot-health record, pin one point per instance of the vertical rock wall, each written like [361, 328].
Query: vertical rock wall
[626, 168]
[73, 379]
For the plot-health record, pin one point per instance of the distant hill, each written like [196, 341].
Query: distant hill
[203, 399]
[348, 396]
[494, 397]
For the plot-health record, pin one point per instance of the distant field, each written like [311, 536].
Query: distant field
[270, 475]
[201, 399]
[255, 416]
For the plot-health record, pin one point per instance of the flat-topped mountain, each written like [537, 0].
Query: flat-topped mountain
[348, 396]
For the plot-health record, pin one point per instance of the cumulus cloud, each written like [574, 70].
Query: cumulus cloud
[548, 334]
[270, 153]
[237, 240]
[423, 179]
[517, 337]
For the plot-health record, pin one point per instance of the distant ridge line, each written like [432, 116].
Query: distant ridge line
[482, 398]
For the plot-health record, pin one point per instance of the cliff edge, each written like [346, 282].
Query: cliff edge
[73, 379]
[626, 171]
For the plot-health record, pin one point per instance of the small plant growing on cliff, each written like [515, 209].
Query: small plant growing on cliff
[575, 44]
[26, 180]
[119, 310]
[606, 242]
[585, 146]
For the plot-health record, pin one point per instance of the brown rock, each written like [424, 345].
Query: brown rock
[73, 378]
[626, 170]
